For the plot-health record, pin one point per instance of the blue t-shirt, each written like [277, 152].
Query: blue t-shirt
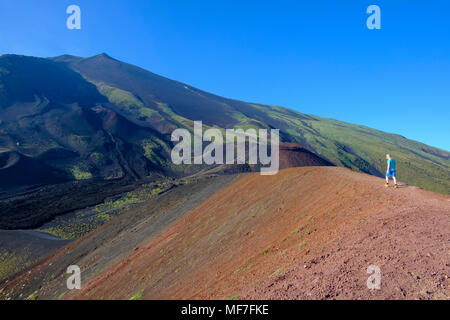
[391, 162]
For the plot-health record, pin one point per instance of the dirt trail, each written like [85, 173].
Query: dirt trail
[305, 233]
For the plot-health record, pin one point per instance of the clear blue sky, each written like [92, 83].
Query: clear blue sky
[316, 57]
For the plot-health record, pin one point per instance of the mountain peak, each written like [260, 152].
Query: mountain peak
[103, 55]
[71, 58]
[65, 58]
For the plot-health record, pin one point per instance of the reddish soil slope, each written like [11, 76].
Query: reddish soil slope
[306, 233]
[293, 155]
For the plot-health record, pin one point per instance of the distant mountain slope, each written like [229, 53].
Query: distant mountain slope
[17, 169]
[51, 113]
[48, 117]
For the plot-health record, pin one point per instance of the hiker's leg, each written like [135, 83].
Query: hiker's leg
[395, 180]
[387, 179]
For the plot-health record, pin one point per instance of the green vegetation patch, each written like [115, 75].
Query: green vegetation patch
[77, 224]
[138, 295]
[13, 262]
[278, 272]
[80, 172]
[127, 101]
[302, 244]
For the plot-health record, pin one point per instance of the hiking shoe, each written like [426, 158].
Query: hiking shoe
[386, 185]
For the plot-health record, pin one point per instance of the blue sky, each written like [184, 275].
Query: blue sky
[316, 57]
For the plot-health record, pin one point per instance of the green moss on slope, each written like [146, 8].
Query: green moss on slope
[126, 101]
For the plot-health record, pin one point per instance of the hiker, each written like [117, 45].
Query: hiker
[390, 172]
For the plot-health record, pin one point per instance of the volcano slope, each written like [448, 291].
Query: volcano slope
[305, 233]
[101, 118]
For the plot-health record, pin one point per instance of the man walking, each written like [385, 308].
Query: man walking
[390, 172]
